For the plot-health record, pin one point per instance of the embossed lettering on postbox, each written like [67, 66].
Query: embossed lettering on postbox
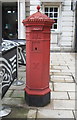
[38, 28]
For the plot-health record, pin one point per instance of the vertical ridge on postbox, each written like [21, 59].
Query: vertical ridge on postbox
[37, 91]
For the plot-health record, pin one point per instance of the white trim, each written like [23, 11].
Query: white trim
[21, 17]
[18, 20]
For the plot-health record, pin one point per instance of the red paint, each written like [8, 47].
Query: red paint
[38, 8]
[38, 28]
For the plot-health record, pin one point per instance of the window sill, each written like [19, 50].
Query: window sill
[56, 32]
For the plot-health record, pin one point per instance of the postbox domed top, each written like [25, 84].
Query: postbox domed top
[38, 17]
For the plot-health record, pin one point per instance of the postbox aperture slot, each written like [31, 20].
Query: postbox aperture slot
[35, 46]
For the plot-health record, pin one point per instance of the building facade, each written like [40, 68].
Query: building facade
[62, 11]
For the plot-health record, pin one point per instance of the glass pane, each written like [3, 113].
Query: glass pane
[51, 9]
[55, 9]
[13, 11]
[55, 26]
[9, 11]
[51, 15]
[55, 14]
[46, 14]
[46, 9]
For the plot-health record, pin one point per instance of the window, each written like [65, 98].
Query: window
[52, 12]
[11, 11]
[8, 11]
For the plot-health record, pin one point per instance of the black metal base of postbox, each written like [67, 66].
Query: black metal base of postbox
[37, 100]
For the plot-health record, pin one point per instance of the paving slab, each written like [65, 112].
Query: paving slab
[48, 106]
[72, 95]
[58, 77]
[62, 73]
[59, 95]
[17, 112]
[64, 104]
[57, 80]
[68, 71]
[74, 75]
[54, 114]
[72, 67]
[69, 79]
[62, 62]
[51, 86]
[55, 70]
[61, 78]
[56, 63]
[13, 101]
[8, 93]
[14, 87]
[22, 74]
[64, 86]
[18, 94]
[75, 114]
[61, 67]
[21, 69]
[53, 58]
[31, 114]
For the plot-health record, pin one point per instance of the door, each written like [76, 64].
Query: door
[9, 20]
[0, 22]
[76, 28]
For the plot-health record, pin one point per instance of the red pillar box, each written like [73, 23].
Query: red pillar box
[37, 91]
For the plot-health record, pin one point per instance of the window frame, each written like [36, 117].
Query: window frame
[59, 14]
[53, 16]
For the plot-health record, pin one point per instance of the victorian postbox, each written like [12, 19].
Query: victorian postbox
[37, 91]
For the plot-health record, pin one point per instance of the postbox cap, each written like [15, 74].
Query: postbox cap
[38, 17]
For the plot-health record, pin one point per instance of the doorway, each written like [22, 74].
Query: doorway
[9, 20]
[0, 23]
[76, 28]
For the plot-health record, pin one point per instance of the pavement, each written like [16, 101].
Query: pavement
[63, 91]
